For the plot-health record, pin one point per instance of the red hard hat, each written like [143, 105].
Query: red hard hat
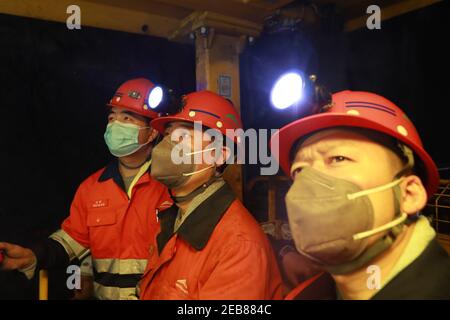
[363, 110]
[211, 109]
[132, 95]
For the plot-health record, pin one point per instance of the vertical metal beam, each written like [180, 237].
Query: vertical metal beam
[217, 55]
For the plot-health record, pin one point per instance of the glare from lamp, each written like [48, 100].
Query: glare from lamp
[155, 97]
[287, 91]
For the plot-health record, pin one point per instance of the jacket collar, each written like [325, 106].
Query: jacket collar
[112, 172]
[200, 224]
[427, 277]
[413, 283]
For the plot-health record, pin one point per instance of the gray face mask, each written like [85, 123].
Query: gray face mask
[169, 173]
[331, 219]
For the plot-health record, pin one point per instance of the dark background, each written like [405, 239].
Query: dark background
[54, 84]
[405, 61]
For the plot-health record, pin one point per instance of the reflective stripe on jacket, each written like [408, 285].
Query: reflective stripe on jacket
[219, 252]
[118, 228]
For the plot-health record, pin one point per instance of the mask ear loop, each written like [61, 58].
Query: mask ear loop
[204, 169]
[355, 195]
[401, 219]
[197, 191]
[140, 147]
[201, 151]
[407, 169]
[196, 172]
[200, 189]
[387, 226]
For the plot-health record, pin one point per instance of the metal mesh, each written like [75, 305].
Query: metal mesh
[438, 208]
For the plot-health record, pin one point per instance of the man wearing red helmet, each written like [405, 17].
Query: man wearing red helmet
[210, 247]
[113, 214]
[360, 178]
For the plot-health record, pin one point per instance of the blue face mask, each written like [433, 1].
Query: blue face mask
[122, 139]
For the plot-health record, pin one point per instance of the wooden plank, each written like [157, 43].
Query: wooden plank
[390, 12]
[148, 6]
[93, 14]
[219, 23]
[224, 7]
[228, 25]
[267, 5]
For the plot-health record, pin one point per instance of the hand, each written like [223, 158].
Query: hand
[16, 257]
[86, 291]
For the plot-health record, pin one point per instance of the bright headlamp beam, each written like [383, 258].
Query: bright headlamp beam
[155, 97]
[287, 91]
